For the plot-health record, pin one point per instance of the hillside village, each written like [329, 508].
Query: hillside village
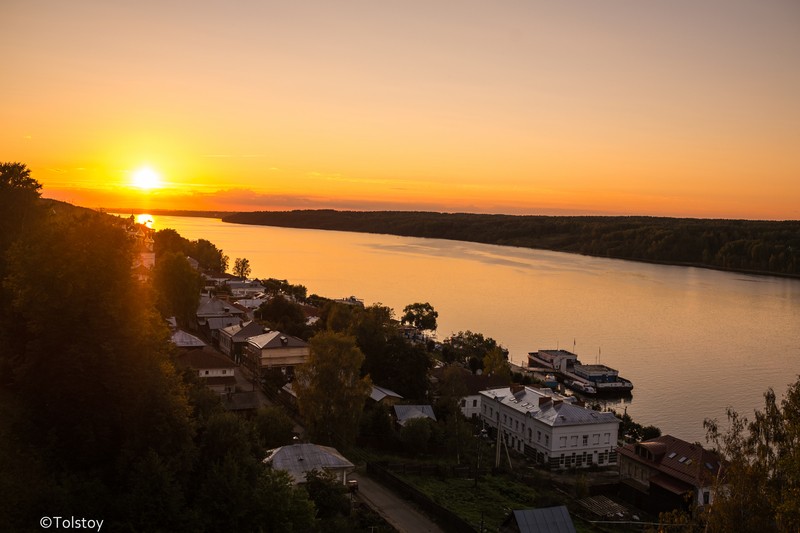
[238, 355]
[146, 387]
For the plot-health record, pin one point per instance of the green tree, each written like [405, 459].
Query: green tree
[18, 195]
[209, 256]
[177, 287]
[416, 434]
[241, 267]
[466, 345]
[330, 391]
[420, 315]
[761, 466]
[495, 363]
[168, 240]
[274, 427]
[19, 201]
[283, 315]
[328, 494]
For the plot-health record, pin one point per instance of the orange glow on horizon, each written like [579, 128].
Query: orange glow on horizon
[528, 108]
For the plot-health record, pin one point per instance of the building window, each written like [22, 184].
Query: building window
[224, 372]
[607, 438]
[562, 442]
[539, 436]
[463, 403]
[474, 403]
[530, 433]
[547, 440]
[596, 438]
[706, 497]
[585, 440]
[206, 372]
[573, 441]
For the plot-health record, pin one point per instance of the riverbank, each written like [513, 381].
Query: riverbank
[755, 247]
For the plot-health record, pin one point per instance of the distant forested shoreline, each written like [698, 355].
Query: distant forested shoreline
[752, 246]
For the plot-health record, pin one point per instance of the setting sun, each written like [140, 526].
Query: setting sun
[146, 178]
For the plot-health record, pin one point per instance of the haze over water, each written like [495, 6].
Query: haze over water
[693, 341]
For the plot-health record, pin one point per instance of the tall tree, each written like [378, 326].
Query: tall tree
[420, 315]
[761, 468]
[495, 363]
[283, 315]
[19, 194]
[241, 267]
[330, 391]
[209, 256]
[177, 287]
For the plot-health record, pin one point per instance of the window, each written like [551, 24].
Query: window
[530, 434]
[547, 440]
[562, 442]
[706, 497]
[607, 438]
[585, 440]
[596, 438]
[463, 403]
[224, 372]
[539, 436]
[573, 441]
[474, 403]
[206, 372]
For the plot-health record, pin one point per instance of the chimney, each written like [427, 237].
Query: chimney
[557, 402]
[543, 400]
[517, 387]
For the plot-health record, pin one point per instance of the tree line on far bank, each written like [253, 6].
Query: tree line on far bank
[770, 247]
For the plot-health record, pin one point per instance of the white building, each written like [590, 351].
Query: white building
[552, 429]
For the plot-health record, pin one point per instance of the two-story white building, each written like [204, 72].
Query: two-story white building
[552, 429]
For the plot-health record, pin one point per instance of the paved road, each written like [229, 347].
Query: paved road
[400, 514]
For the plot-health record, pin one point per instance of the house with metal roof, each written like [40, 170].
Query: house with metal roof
[233, 338]
[543, 520]
[181, 339]
[300, 459]
[273, 349]
[384, 395]
[552, 429]
[217, 371]
[404, 413]
[668, 473]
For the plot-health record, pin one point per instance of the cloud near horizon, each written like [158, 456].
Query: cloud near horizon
[249, 200]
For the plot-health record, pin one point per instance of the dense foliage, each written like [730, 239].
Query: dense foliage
[95, 421]
[745, 245]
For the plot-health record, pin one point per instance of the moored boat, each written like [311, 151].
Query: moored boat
[587, 379]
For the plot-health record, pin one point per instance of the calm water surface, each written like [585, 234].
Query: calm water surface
[693, 341]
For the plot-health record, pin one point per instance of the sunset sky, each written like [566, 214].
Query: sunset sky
[679, 108]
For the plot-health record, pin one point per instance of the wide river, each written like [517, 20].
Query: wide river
[693, 341]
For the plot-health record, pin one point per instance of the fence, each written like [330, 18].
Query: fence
[446, 519]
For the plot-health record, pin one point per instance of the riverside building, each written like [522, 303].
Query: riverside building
[554, 430]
